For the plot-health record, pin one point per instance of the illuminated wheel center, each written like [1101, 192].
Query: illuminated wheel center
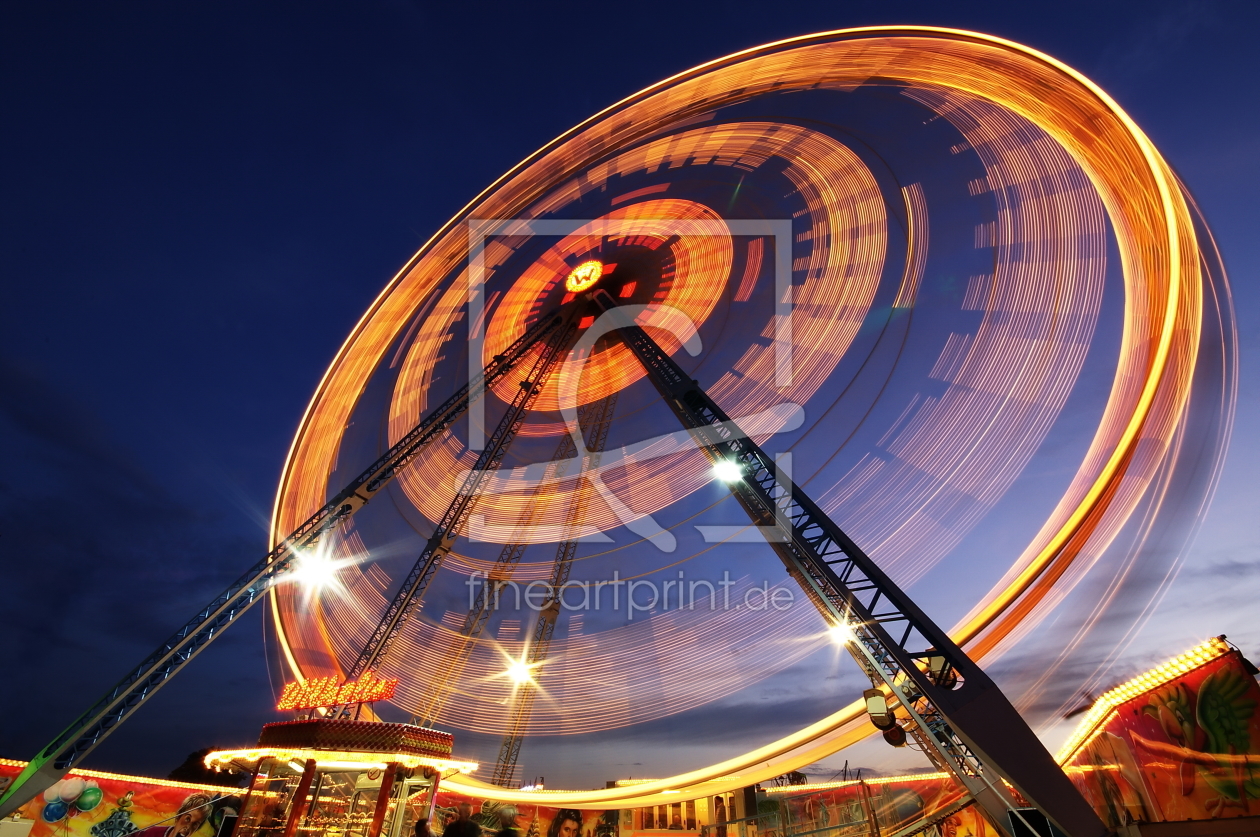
[584, 276]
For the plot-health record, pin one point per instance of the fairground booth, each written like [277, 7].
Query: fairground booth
[1174, 747]
[1173, 752]
[339, 776]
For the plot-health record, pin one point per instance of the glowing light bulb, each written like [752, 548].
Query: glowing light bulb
[519, 672]
[842, 634]
[728, 471]
[584, 276]
[314, 572]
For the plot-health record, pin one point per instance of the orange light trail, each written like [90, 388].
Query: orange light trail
[980, 83]
[845, 208]
[955, 454]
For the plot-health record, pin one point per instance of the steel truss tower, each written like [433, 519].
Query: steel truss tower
[411, 594]
[600, 416]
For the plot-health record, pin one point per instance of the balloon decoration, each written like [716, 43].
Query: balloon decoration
[70, 789]
[68, 797]
[54, 811]
[89, 799]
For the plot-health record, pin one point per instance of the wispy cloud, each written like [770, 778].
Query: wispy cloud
[99, 561]
[1159, 37]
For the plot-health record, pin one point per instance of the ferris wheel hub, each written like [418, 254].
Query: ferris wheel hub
[584, 276]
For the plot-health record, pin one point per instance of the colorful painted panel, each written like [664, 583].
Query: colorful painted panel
[91, 804]
[531, 820]
[1187, 750]
[844, 811]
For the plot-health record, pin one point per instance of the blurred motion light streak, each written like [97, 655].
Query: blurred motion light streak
[1061, 160]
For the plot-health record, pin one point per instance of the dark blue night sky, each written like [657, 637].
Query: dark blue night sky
[200, 199]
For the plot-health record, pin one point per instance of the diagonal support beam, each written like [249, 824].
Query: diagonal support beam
[483, 604]
[959, 716]
[411, 593]
[600, 414]
[596, 414]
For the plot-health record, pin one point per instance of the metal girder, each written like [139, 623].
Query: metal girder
[511, 555]
[963, 721]
[89, 729]
[600, 414]
[482, 605]
[411, 593]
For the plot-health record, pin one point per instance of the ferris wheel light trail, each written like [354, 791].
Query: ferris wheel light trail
[985, 85]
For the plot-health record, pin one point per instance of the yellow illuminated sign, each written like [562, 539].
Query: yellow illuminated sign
[584, 276]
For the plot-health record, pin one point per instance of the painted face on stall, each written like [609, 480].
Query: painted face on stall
[188, 822]
[568, 828]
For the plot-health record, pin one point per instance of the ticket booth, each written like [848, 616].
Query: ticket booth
[340, 778]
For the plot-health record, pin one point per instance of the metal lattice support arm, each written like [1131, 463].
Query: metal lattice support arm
[962, 719]
[411, 593]
[600, 414]
[511, 554]
[90, 728]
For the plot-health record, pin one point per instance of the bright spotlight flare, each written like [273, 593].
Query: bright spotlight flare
[842, 633]
[520, 672]
[728, 470]
[315, 572]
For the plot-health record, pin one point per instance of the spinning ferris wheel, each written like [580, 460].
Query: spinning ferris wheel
[820, 301]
